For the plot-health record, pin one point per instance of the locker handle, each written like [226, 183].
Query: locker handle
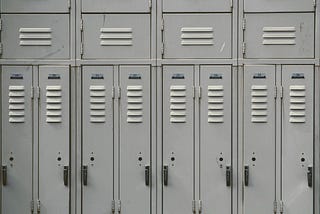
[4, 175]
[228, 175]
[310, 176]
[85, 175]
[165, 174]
[147, 175]
[66, 175]
[246, 175]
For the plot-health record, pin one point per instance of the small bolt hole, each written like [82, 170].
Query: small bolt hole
[173, 159]
[92, 158]
[140, 158]
[220, 159]
[254, 159]
[303, 159]
[11, 158]
[59, 158]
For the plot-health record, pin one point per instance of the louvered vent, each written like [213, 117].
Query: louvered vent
[297, 104]
[35, 36]
[54, 104]
[97, 104]
[259, 104]
[16, 104]
[135, 104]
[196, 36]
[215, 104]
[178, 103]
[116, 37]
[279, 35]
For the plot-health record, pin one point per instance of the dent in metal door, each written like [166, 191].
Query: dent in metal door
[17, 139]
[297, 138]
[35, 36]
[115, 36]
[178, 139]
[54, 139]
[116, 6]
[97, 139]
[134, 147]
[259, 139]
[34, 6]
[197, 6]
[197, 36]
[215, 139]
[281, 35]
[278, 6]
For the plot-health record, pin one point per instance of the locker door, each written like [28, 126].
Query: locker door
[97, 139]
[278, 6]
[134, 147]
[297, 138]
[116, 6]
[178, 139]
[34, 6]
[259, 139]
[197, 6]
[17, 139]
[54, 139]
[215, 139]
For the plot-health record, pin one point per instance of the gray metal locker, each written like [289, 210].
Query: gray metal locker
[297, 138]
[54, 137]
[135, 139]
[259, 139]
[178, 139]
[126, 6]
[279, 35]
[35, 6]
[35, 36]
[278, 6]
[215, 139]
[17, 139]
[116, 36]
[197, 35]
[197, 6]
[97, 139]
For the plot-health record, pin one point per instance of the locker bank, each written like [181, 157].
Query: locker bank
[160, 107]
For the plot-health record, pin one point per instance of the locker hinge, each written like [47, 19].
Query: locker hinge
[231, 4]
[244, 24]
[199, 92]
[281, 92]
[119, 206]
[81, 48]
[275, 207]
[281, 207]
[243, 48]
[32, 206]
[113, 206]
[119, 92]
[200, 206]
[81, 25]
[1, 48]
[38, 92]
[150, 5]
[162, 48]
[275, 92]
[193, 92]
[38, 206]
[113, 92]
[32, 92]
[314, 3]
[194, 206]
[162, 24]
[69, 4]
[0, 24]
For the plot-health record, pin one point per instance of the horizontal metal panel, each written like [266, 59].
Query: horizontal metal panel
[278, 6]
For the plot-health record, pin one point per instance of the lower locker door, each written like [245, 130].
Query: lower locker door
[215, 139]
[134, 147]
[178, 139]
[97, 139]
[259, 139]
[17, 139]
[54, 139]
[297, 142]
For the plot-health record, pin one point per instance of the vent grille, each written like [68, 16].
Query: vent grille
[215, 104]
[116, 37]
[135, 104]
[178, 104]
[197, 36]
[35, 36]
[259, 103]
[279, 35]
[16, 104]
[297, 104]
[54, 104]
[97, 104]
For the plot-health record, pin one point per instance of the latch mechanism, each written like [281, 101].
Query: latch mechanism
[84, 172]
[4, 175]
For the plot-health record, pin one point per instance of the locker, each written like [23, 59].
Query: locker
[134, 138]
[197, 35]
[215, 139]
[97, 151]
[36, 36]
[17, 139]
[259, 139]
[54, 139]
[116, 36]
[297, 138]
[35, 6]
[116, 6]
[278, 6]
[197, 6]
[279, 35]
[178, 139]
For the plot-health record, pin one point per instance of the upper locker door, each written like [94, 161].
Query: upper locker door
[116, 6]
[54, 139]
[197, 5]
[297, 138]
[178, 139]
[259, 139]
[278, 6]
[17, 139]
[135, 139]
[35, 6]
[215, 139]
[97, 139]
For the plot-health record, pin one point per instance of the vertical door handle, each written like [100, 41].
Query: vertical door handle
[4, 175]
[165, 174]
[66, 175]
[310, 176]
[246, 175]
[147, 175]
[228, 175]
[85, 175]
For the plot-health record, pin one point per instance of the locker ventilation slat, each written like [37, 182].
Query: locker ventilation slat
[97, 104]
[135, 104]
[54, 103]
[116, 37]
[297, 104]
[259, 104]
[16, 104]
[279, 35]
[35, 36]
[197, 36]
[178, 103]
[215, 104]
